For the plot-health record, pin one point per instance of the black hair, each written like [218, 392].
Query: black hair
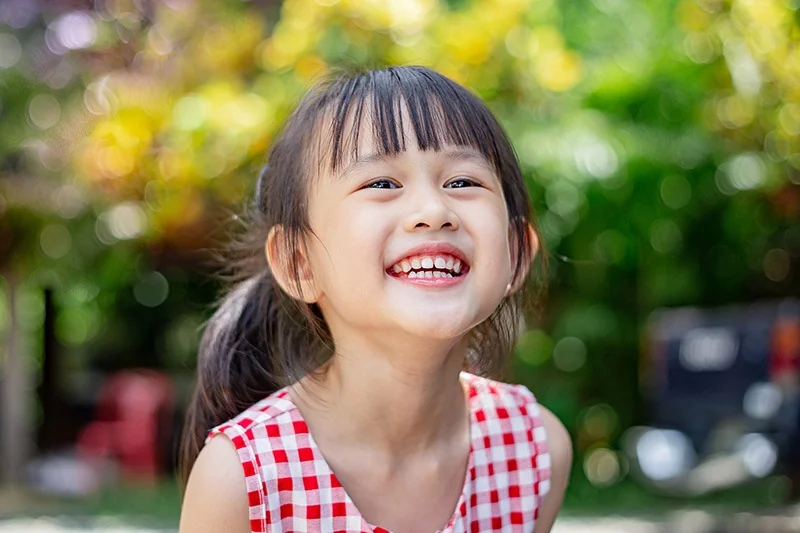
[260, 339]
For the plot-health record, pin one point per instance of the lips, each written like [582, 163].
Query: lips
[430, 261]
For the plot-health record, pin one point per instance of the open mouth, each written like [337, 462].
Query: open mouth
[440, 265]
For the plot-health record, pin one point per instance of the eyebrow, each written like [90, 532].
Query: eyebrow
[362, 161]
[470, 156]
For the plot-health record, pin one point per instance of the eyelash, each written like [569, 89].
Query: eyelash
[370, 185]
[381, 180]
[472, 182]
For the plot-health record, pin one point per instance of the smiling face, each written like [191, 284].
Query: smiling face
[413, 217]
[416, 241]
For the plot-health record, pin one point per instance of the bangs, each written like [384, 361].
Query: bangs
[439, 113]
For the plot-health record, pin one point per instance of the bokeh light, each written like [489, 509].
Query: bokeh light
[152, 289]
[44, 111]
[569, 354]
[602, 467]
[55, 240]
[10, 50]
[71, 31]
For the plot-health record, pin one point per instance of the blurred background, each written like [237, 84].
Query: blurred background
[660, 141]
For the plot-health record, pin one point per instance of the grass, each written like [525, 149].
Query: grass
[157, 506]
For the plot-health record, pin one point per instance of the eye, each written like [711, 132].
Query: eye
[461, 182]
[381, 183]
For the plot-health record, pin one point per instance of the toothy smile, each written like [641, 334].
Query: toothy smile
[431, 264]
[428, 266]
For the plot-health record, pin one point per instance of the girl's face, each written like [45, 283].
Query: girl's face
[416, 242]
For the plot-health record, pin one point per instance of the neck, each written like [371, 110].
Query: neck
[398, 403]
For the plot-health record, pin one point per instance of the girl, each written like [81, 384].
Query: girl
[391, 243]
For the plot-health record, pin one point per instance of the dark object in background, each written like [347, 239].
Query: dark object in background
[724, 394]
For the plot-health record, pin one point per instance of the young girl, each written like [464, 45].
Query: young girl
[338, 384]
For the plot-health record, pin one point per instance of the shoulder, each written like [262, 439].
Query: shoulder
[546, 426]
[559, 442]
[548, 433]
[491, 394]
[268, 411]
[508, 400]
[216, 495]
[559, 445]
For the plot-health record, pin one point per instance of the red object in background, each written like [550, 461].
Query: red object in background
[132, 410]
[785, 360]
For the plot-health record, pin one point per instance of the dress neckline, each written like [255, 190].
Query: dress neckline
[462, 499]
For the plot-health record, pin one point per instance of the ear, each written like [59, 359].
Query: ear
[533, 244]
[290, 267]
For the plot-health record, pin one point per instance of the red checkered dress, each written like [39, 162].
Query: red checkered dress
[292, 488]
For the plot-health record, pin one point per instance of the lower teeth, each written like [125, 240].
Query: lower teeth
[428, 274]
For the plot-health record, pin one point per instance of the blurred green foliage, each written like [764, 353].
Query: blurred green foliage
[660, 141]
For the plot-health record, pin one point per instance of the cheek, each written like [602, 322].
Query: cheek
[499, 265]
[348, 245]
[492, 231]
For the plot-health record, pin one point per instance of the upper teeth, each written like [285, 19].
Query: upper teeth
[427, 262]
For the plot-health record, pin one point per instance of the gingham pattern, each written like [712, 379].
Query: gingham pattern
[291, 487]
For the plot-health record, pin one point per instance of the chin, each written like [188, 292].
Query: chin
[438, 326]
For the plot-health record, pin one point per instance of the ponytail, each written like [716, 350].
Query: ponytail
[259, 339]
[254, 344]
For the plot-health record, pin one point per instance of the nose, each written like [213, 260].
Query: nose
[431, 213]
